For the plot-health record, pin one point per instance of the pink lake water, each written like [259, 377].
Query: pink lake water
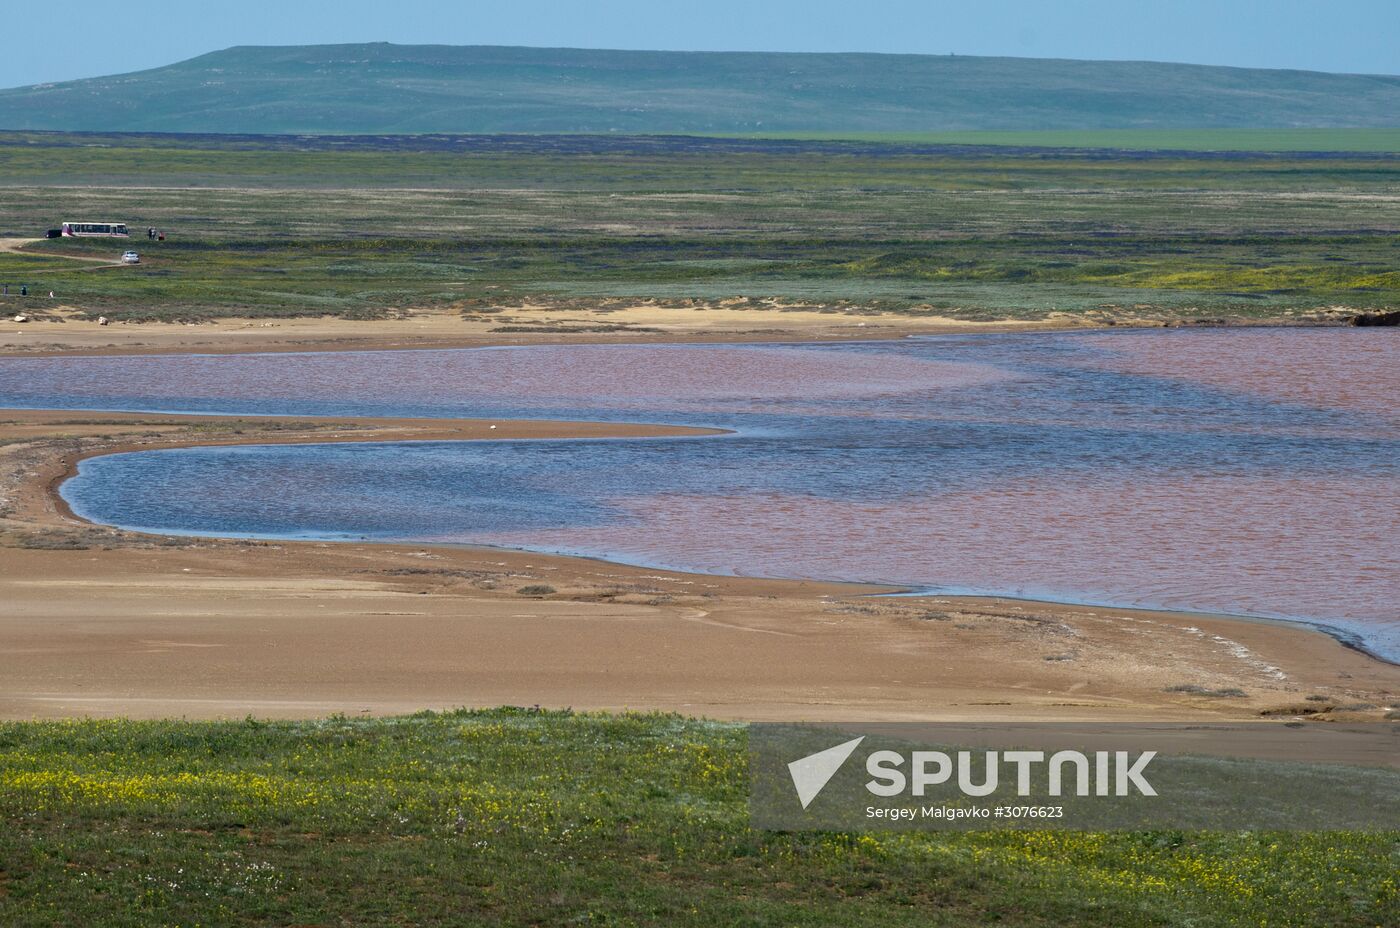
[1246, 471]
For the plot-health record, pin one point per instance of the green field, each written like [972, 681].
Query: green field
[364, 227]
[1378, 140]
[515, 817]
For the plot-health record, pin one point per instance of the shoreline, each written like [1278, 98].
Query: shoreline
[570, 430]
[68, 335]
[1341, 636]
[740, 647]
[432, 429]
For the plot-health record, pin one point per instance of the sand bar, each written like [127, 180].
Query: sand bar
[60, 330]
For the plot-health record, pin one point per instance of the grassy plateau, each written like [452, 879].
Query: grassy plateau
[384, 88]
[521, 817]
[367, 226]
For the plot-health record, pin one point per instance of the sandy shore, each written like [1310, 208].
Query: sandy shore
[94, 621]
[58, 329]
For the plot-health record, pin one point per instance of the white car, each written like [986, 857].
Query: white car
[131, 257]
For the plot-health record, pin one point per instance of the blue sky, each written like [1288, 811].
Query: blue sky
[67, 39]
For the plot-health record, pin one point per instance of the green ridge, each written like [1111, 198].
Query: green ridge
[404, 88]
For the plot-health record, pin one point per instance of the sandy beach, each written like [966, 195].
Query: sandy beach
[95, 621]
[58, 330]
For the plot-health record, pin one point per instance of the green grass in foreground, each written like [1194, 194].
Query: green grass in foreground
[521, 818]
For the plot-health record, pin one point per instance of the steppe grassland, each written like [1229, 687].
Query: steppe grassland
[523, 817]
[373, 227]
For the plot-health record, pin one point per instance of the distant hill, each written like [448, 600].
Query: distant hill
[382, 88]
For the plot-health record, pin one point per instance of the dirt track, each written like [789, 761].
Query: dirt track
[17, 245]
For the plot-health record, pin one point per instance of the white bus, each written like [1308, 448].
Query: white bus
[94, 229]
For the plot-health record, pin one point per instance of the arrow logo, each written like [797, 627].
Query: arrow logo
[811, 774]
